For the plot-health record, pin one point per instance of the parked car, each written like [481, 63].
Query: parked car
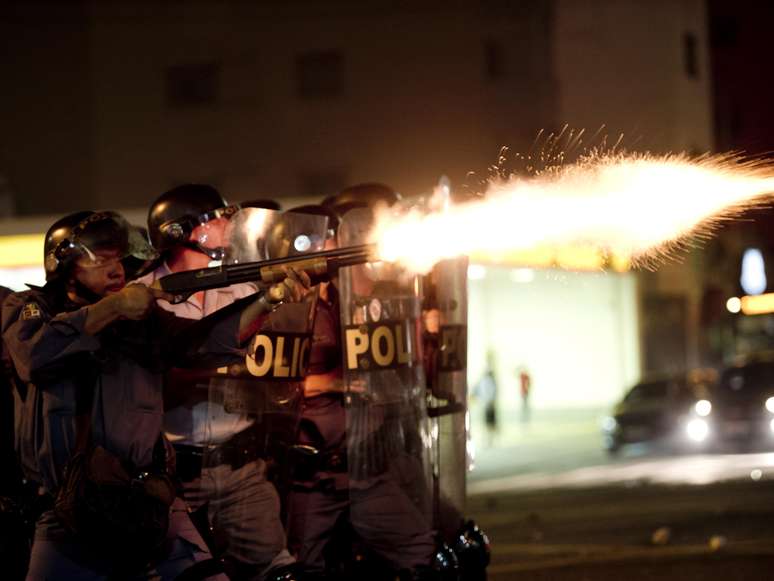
[743, 404]
[670, 409]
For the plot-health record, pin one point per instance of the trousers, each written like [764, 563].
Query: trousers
[243, 509]
[57, 555]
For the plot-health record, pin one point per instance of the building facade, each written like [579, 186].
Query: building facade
[113, 103]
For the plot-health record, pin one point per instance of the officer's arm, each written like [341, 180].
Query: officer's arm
[37, 341]
[223, 333]
[100, 315]
[216, 339]
[133, 302]
[212, 340]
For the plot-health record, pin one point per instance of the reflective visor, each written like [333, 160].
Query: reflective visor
[105, 237]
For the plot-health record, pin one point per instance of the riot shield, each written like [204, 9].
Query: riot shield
[388, 437]
[445, 347]
[258, 399]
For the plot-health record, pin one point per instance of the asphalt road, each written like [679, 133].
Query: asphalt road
[644, 531]
[557, 507]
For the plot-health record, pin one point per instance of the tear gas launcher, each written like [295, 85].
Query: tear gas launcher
[320, 266]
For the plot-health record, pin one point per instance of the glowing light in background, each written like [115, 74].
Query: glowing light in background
[522, 275]
[753, 279]
[476, 272]
[21, 250]
[616, 207]
[757, 304]
[18, 278]
[734, 305]
[697, 430]
[703, 407]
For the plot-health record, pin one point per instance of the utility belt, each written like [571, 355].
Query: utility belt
[120, 511]
[236, 452]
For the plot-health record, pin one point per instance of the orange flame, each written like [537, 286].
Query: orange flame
[636, 208]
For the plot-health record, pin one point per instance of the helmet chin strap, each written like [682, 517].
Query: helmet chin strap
[214, 253]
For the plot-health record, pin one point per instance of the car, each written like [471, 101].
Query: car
[668, 409]
[743, 404]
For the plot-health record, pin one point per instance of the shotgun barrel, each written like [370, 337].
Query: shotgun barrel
[319, 266]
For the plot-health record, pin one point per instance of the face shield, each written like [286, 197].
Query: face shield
[104, 238]
[208, 231]
[256, 234]
[296, 234]
[246, 233]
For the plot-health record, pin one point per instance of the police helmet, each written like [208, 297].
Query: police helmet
[365, 195]
[83, 234]
[262, 203]
[175, 213]
[355, 207]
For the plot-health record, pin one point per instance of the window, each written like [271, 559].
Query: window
[690, 55]
[494, 60]
[193, 85]
[320, 75]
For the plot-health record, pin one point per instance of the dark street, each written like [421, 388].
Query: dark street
[723, 531]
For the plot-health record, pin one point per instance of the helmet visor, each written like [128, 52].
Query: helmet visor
[107, 236]
[209, 231]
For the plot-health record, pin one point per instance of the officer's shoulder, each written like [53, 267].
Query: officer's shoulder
[31, 301]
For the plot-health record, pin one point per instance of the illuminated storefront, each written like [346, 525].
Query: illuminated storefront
[575, 330]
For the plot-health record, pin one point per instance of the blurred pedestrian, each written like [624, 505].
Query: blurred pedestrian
[525, 387]
[486, 391]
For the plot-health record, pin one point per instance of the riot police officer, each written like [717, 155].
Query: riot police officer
[221, 452]
[90, 352]
[331, 484]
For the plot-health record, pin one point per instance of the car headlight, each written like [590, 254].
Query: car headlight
[770, 404]
[703, 407]
[697, 430]
[609, 424]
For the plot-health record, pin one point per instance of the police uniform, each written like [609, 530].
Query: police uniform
[9, 480]
[15, 497]
[374, 503]
[52, 355]
[230, 473]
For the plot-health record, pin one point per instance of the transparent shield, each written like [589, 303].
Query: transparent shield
[445, 339]
[260, 396]
[388, 435]
[255, 234]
